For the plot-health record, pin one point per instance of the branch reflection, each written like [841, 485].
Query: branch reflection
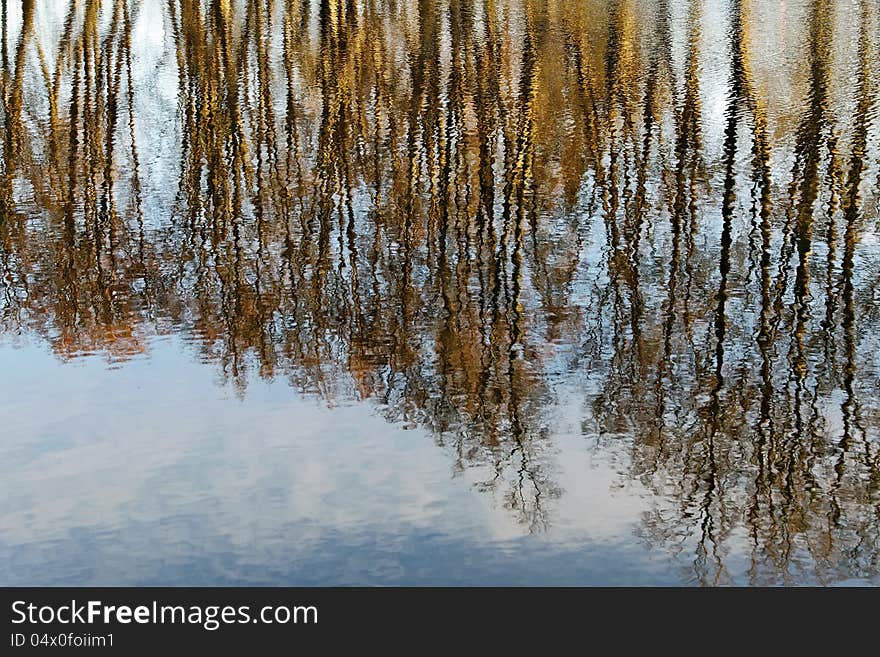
[456, 207]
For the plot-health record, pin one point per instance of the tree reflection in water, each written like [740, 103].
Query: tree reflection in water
[454, 207]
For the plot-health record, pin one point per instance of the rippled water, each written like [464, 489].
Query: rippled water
[440, 291]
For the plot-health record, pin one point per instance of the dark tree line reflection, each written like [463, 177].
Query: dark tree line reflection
[454, 207]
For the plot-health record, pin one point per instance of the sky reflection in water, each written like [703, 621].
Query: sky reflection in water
[440, 292]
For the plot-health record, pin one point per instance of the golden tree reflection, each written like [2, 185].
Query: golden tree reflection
[451, 207]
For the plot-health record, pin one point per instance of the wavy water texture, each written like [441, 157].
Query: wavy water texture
[455, 209]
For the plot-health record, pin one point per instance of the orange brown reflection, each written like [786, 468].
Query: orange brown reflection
[68, 120]
[453, 207]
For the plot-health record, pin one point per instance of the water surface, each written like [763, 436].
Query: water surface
[440, 292]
